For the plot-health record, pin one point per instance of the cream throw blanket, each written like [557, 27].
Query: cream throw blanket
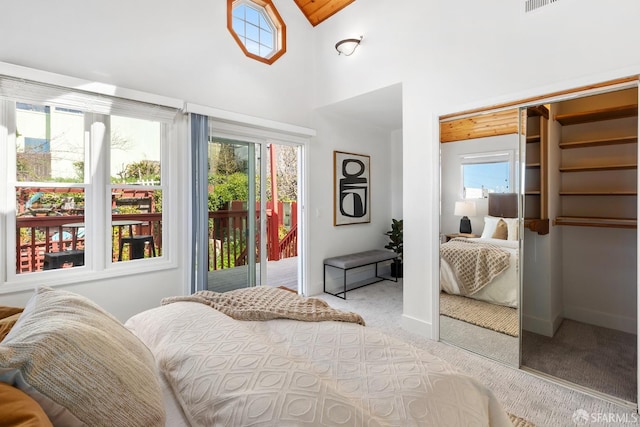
[267, 303]
[475, 264]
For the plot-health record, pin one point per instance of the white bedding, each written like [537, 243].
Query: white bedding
[503, 290]
[289, 373]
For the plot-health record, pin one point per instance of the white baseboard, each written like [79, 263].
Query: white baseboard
[537, 325]
[599, 318]
[417, 326]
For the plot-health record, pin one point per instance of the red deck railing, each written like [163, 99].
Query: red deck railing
[42, 229]
[227, 237]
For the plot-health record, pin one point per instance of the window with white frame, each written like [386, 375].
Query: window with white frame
[486, 173]
[84, 177]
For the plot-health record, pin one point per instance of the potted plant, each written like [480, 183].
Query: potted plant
[395, 244]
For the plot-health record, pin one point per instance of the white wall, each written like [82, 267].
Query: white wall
[178, 49]
[395, 158]
[325, 239]
[449, 56]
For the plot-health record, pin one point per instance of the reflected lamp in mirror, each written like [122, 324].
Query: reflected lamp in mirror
[465, 209]
[346, 47]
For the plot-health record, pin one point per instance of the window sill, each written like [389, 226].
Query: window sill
[76, 275]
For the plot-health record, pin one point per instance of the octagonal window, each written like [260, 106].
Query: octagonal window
[257, 28]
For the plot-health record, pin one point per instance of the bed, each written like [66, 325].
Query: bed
[187, 363]
[494, 254]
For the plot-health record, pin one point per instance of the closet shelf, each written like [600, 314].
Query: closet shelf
[533, 165]
[597, 168]
[596, 222]
[533, 138]
[598, 115]
[599, 142]
[598, 193]
[532, 193]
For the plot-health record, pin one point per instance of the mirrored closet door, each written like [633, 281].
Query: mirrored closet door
[563, 169]
[479, 226]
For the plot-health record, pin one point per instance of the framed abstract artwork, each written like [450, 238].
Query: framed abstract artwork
[351, 188]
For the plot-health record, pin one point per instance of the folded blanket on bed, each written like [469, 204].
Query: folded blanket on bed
[267, 303]
[475, 264]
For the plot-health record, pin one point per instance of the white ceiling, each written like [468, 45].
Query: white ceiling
[381, 108]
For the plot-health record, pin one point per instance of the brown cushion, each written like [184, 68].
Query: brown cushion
[502, 230]
[18, 409]
[6, 324]
[6, 311]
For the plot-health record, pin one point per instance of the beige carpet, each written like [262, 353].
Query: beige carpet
[538, 400]
[495, 317]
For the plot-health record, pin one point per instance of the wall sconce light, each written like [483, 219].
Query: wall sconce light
[465, 210]
[346, 47]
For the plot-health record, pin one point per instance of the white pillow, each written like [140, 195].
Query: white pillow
[491, 222]
[81, 365]
[513, 225]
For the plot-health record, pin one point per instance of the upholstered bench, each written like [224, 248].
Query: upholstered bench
[360, 259]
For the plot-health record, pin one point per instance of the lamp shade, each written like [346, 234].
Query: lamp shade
[465, 208]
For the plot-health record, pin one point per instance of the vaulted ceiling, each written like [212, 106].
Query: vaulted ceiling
[317, 11]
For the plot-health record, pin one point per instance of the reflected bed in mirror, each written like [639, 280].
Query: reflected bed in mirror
[479, 284]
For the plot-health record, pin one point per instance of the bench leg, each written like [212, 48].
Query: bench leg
[324, 278]
[344, 295]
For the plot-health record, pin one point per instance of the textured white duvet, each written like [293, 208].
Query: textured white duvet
[503, 290]
[225, 372]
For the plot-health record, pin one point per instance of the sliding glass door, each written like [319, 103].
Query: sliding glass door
[252, 204]
[246, 212]
[233, 202]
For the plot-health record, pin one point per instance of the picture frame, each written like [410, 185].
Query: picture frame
[351, 188]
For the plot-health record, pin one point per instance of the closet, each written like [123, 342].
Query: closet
[580, 303]
[535, 120]
[577, 180]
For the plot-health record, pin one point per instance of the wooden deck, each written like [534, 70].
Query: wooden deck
[279, 273]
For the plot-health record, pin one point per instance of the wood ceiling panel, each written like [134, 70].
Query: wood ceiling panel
[498, 123]
[317, 11]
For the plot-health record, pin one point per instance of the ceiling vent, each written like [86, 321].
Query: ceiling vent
[531, 5]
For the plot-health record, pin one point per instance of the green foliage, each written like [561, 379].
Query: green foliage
[157, 201]
[144, 170]
[227, 189]
[57, 199]
[282, 231]
[227, 162]
[395, 237]
[79, 168]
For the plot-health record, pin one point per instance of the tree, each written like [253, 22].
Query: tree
[144, 170]
[227, 189]
[226, 161]
[287, 173]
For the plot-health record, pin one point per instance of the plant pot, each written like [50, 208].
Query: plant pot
[396, 268]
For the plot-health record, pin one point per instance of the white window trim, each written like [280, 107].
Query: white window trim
[489, 157]
[97, 259]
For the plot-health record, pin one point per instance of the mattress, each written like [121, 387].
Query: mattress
[503, 290]
[221, 371]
